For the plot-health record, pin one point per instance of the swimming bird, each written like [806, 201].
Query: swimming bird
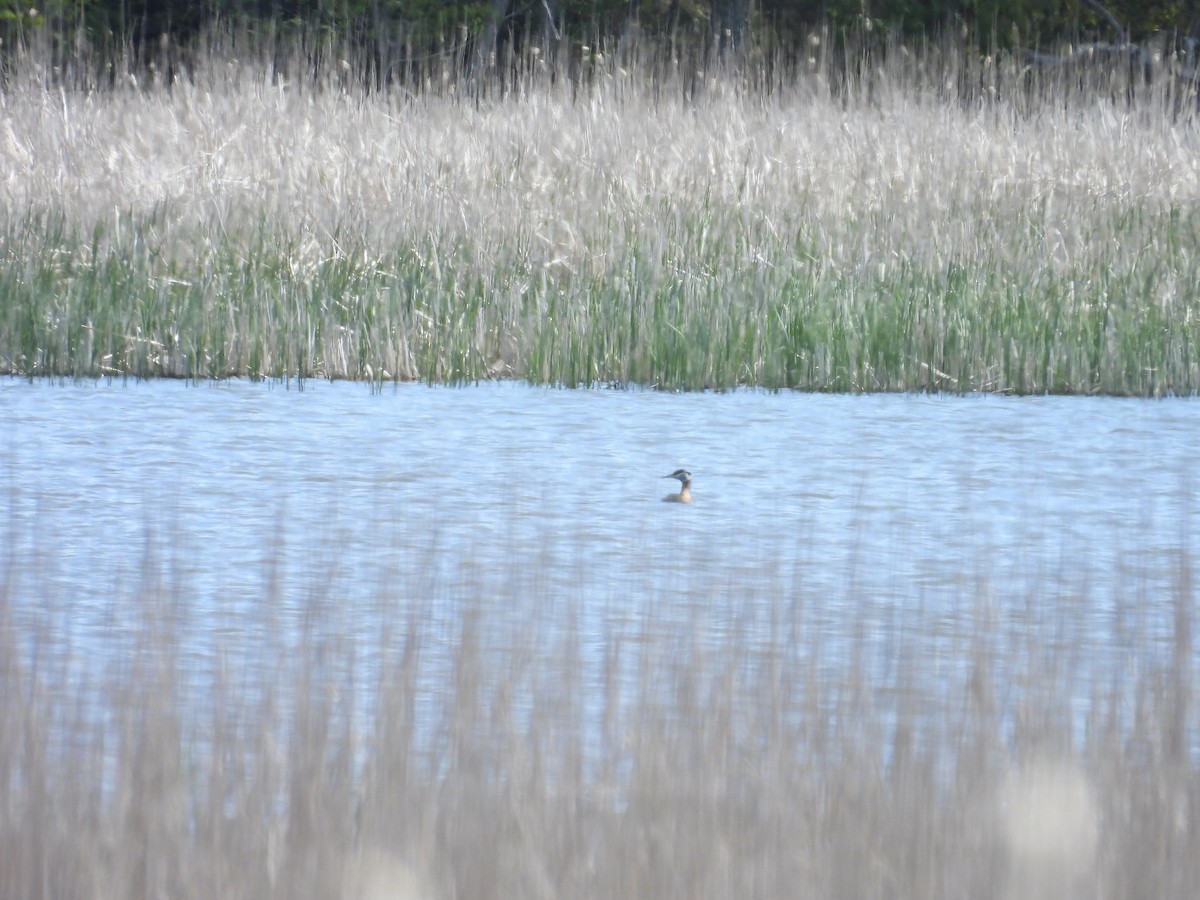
[685, 492]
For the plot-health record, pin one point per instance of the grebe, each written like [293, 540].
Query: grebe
[685, 492]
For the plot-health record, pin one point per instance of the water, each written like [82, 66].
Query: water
[889, 525]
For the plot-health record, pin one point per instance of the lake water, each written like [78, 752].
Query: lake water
[899, 524]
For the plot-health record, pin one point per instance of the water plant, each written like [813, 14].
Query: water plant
[929, 223]
[419, 743]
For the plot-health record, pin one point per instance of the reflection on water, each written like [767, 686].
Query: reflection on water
[882, 526]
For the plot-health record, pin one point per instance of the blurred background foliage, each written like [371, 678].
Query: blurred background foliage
[400, 34]
[1036, 22]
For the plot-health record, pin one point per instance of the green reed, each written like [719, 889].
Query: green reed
[244, 312]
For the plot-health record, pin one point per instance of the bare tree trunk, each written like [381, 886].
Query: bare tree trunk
[730, 22]
[553, 16]
[487, 49]
[672, 17]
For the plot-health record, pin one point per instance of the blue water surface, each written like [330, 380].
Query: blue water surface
[890, 525]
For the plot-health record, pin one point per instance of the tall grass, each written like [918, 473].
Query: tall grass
[460, 754]
[925, 220]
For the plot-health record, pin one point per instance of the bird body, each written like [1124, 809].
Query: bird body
[685, 491]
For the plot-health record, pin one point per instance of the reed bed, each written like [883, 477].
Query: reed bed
[927, 220]
[464, 753]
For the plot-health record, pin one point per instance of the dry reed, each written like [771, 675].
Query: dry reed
[469, 751]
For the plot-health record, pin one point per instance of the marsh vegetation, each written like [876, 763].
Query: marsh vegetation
[760, 764]
[928, 220]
